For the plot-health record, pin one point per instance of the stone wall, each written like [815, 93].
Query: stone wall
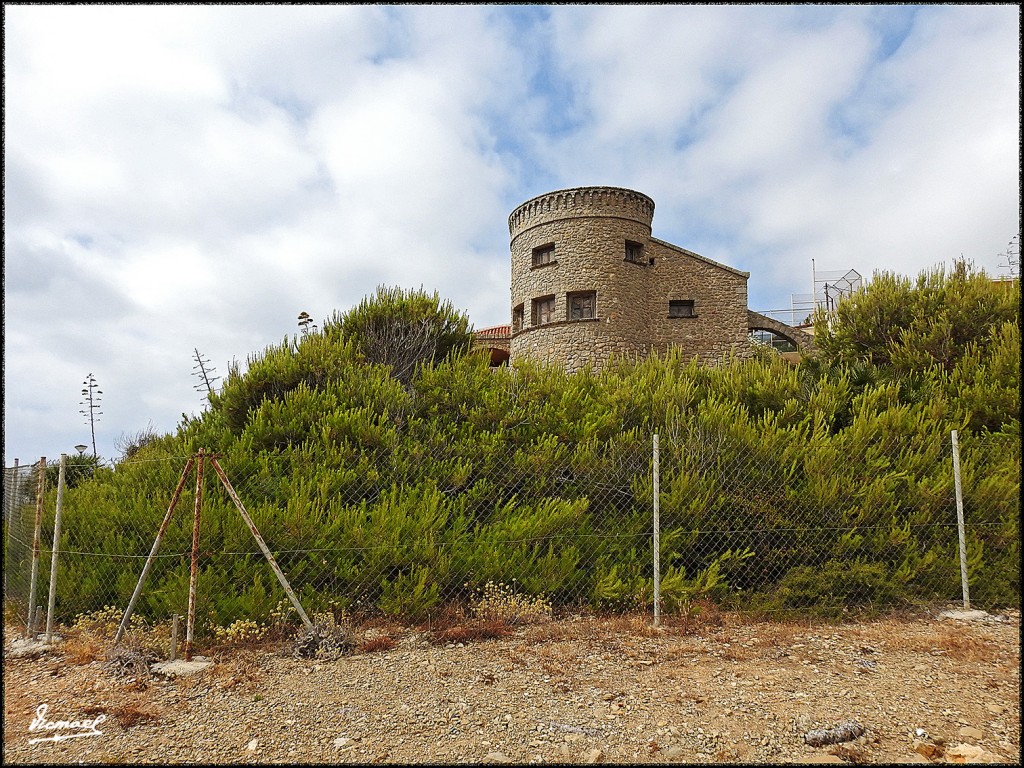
[592, 229]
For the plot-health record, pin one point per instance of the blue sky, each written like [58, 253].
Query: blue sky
[182, 177]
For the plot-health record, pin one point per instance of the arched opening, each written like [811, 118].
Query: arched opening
[498, 357]
[776, 341]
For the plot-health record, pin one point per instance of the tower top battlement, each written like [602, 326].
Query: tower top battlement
[612, 202]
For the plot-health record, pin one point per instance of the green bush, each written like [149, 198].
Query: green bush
[821, 488]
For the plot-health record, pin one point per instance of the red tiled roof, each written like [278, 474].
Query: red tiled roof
[494, 332]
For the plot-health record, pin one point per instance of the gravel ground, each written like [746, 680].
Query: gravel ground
[577, 690]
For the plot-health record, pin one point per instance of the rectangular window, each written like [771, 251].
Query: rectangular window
[582, 306]
[635, 252]
[681, 309]
[517, 319]
[544, 255]
[543, 310]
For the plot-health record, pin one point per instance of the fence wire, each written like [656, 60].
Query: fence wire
[776, 529]
[20, 494]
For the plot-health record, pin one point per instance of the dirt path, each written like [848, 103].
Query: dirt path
[571, 691]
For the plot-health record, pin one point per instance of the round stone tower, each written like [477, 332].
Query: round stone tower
[580, 265]
[589, 281]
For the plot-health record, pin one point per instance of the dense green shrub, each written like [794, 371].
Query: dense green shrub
[823, 487]
[404, 330]
[910, 326]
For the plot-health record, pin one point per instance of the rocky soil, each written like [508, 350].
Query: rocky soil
[576, 690]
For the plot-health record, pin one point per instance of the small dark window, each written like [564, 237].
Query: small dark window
[582, 306]
[544, 255]
[543, 310]
[635, 252]
[517, 319]
[681, 309]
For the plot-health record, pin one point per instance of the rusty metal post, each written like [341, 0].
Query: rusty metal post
[56, 548]
[194, 572]
[152, 553]
[30, 631]
[263, 546]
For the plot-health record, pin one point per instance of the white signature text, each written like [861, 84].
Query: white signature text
[63, 729]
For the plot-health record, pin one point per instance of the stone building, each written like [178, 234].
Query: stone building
[590, 281]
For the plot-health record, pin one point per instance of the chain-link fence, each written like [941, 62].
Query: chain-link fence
[21, 485]
[780, 528]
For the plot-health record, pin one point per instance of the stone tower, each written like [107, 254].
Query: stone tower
[590, 281]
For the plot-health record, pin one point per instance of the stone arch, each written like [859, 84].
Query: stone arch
[494, 342]
[802, 340]
[498, 356]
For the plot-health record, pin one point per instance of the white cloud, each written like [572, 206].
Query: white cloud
[182, 177]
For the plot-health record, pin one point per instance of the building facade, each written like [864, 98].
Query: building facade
[589, 281]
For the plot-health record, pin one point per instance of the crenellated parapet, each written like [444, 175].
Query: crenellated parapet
[612, 202]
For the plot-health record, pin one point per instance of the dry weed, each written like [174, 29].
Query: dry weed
[446, 618]
[955, 642]
[376, 644]
[679, 654]
[240, 669]
[83, 647]
[631, 625]
[559, 631]
[964, 647]
[472, 631]
[734, 653]
[127, 715]
[769, 635]
[501, 602]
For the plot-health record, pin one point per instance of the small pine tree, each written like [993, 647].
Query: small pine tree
[405, 329]
[911, 326]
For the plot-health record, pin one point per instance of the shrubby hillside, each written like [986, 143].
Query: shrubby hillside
[385, 481]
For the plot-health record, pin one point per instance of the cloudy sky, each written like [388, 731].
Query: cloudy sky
[186, 178]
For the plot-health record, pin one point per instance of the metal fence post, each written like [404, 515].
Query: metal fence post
[56, 547]
[194, 572]
[152, 553]
[960, 522]
[30, 632]
[263, 546]
[657, 533]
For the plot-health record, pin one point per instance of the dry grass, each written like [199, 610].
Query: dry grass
[568, 630]
[382, 625]
[555, 659]
[955, 642]
[242, 669]
[701, 614]
[625, 626]
[472, 631]
[964, 647]
[127, 715]
[733, 653]
[376, 644]
[82, 646]
[768, 635]
[630, 625]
